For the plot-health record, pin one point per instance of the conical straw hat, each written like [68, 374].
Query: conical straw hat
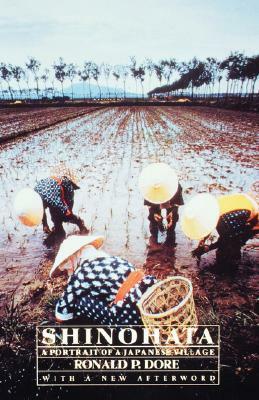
[28, 207]
[61, 170]
[71, 246]
[200, 216]
[158, 183]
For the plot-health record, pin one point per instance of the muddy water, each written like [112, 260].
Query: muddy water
[210, 151]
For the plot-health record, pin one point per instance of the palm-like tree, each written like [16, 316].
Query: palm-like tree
[168, 67]
[52, 89]
[45, 77]
[33, 66]
[106, 69]
[149, 67]
[234, 65]
[189, 74]
[83, 77]
[18, 74]
[116, 71]
[1, 86]
[212, 67]
[60, 69]
[71, 73]
[87, 72]
[137, 73]
[7, 74]
[95, 71]
[27, 81]
[140, 76]
[159, 70]
[124, 74]
[251, 71]
[134, 72]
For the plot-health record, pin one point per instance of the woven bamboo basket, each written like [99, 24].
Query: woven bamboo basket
[61, 170]
[169, 304]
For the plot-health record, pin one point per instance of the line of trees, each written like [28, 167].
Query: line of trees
[195, 78]
[31, 81]
[203, 78]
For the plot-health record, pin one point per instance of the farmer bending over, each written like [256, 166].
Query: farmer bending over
[101, 287]
[163, 195]
[235, 218]
[55, 193]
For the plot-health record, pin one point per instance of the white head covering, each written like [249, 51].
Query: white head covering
[200, 216]
[28, 207]
[158, 183]
[72, 247]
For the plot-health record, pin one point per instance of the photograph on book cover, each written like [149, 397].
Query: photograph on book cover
[129, 199]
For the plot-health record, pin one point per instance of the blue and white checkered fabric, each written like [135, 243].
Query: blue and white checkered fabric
[93, 287]
[50, 192]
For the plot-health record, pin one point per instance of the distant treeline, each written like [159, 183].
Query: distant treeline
[204, 77]
[195, 78]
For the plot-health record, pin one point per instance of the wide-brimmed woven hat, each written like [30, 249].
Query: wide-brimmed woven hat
[200, 216]
[71, 246]
[28, 207]
[158, 183]
[62, 170]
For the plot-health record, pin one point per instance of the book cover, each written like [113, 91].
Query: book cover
[129, 199]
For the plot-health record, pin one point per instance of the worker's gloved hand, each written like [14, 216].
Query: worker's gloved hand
[81, 225]
[84, 230]
[46, 229]
[158, 218]
[200, 250]
[170, 220]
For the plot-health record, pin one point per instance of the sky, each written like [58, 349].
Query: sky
[113, 30]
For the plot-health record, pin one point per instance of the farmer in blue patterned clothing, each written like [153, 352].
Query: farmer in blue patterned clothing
[102, 288]
[57, 194]
[234, 216]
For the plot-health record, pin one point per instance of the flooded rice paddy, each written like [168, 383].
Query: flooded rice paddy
[211, 150]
